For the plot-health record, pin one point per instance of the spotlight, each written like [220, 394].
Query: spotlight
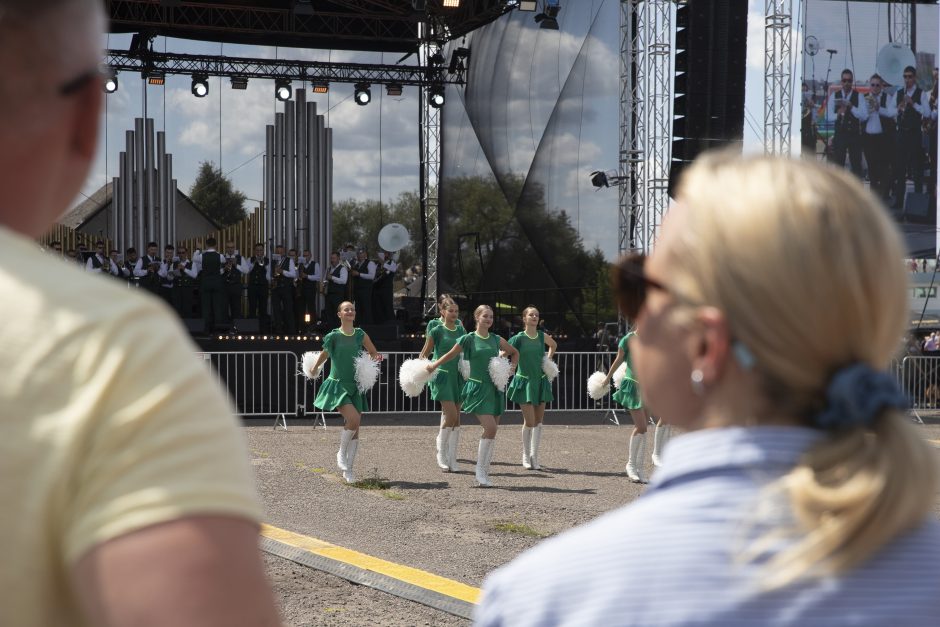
[527, 5]
[457, 58]
[239, 82]
[436, 96]
[111, 84]
[437, 58]
[320, 87]
[363, 94]
[200, 86]
[282, 89]
[393, 89]
[451, 4]
[549, 19]
[599, 179]
[156, 77]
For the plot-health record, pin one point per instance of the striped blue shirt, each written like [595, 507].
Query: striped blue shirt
[673, 557]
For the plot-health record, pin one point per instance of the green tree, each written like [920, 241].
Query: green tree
[358, 222]
[215, 195]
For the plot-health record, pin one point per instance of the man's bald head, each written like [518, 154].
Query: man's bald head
[48, 136]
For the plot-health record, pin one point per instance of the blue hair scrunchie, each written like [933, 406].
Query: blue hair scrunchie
[856, 395]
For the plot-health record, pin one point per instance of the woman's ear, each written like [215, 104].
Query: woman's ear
[712, 345]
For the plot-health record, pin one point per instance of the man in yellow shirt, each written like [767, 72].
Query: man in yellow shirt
[125, 488]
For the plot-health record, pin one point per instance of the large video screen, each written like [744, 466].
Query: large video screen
[869, 104]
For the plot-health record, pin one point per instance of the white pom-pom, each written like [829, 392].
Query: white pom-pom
[500, 372]
[308, 365]
[464, 367]
[597, 386]
[413, 376]
[550, 368]
[367, 372]
[619, 373]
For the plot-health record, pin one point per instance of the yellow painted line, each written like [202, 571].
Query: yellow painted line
[406, 574]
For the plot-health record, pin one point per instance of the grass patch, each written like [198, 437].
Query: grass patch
[300, 465]
[372, 482]
[522, 530]
[395, 496]
[317, 470]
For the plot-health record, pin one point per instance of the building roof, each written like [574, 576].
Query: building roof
[101, 200]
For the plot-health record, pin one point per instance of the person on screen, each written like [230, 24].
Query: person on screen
[801, 493]
[847, 110]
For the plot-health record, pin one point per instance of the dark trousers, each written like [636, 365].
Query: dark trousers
[878, 153]
[846, 142]
[183, 300]
[166, 293]
[909, 162]
[258, 305]
[333, 299]
[282, 309]
[363, 296]
[233, 300]
[382, 298]
[212, 295]
[311, 293]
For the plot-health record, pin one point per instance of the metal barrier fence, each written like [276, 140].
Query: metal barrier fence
[269, 384]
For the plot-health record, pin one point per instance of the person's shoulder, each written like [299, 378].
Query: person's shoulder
[359, 333]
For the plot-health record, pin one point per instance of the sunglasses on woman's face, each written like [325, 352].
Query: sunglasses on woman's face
[633, 285]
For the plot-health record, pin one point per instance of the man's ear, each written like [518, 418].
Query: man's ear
[87, 117]
[712, 347]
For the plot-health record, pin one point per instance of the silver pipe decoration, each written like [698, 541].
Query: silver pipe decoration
[290, 163]
[170, 200]
[303, 225]
[268, 183]
[313, 205]
[148, 180]
[163, 215]
[117, 201]
[139, 183]
[278, 180]
[127, 184]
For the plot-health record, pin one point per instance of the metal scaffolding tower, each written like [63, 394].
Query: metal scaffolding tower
[778, 80]
[900, 16]
[645, 120]
[429, 122]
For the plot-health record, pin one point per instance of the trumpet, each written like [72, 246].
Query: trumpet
[871, 100]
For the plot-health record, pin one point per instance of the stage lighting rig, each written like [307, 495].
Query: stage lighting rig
[320, 87]
[451, 4]
[527, 5]
[548, 19]
[111, 84]
[600, 179]
[239, 82]
[458, 60]
[156, 77]
[200, 85]
[282, 89]
[436, 96]
[363, 95]
[393, 89]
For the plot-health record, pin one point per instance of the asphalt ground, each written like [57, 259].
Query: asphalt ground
[425, 518]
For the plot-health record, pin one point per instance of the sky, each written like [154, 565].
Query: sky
[375, 147]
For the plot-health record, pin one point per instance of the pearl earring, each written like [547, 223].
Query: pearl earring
[698, 382]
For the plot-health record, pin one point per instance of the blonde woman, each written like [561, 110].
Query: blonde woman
[446, 386]
[479, 394]
[339, 391]
[627, 396]
[530, 387]
[801, 493]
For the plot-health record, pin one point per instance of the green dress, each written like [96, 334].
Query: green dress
[340, 387]
[628, 396]
[446, 385]
[479, 395]
[530, 386]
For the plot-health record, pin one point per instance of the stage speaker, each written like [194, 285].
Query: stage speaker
[381, 332]
[710, 66]
[247, 325]
[916, 205]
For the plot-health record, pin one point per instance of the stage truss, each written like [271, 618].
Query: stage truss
[429, 122]
[778, 80]
[645, 120]
[901, 23]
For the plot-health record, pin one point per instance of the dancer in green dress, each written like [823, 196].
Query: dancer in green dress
[446, 386]
[339, 391]
[479, 395]
[628, 397]
[530, 388]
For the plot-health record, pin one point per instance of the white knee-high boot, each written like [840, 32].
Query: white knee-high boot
[660, 437]
[453, 437]
[344, 439]
[484, 454]
[442, 438]
[526, 447]
[536, 439]
[636, 468]
[350, 460]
